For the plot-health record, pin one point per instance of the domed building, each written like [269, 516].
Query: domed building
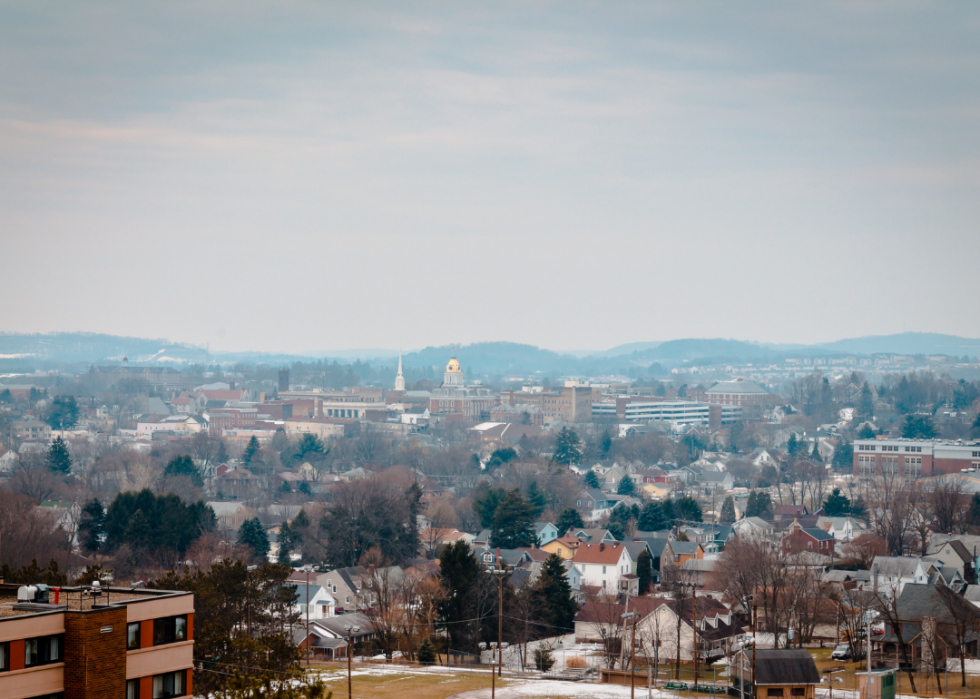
[454, 396]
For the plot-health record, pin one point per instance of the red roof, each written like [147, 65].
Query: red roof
[601, 554]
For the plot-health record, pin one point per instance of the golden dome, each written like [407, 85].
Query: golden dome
[453, 367]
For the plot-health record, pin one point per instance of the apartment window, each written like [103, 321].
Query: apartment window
[170, 684]
[133, 636]
[169, 630]
[42, 650]
[133, 689]
[4, 657]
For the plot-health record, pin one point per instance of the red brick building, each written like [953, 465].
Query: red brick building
[799, 539]
[914, 458]
[68, 643]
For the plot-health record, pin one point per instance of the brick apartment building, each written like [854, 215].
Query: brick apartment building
[69, 643]
[914, 457]
[739, 393]
[566, 404]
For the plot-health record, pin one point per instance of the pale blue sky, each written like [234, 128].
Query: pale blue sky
[305, 176]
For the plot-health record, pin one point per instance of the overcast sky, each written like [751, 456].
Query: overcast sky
[300, 177]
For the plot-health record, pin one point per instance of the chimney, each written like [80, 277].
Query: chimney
[602, 546]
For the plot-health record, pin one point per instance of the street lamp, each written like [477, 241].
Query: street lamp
[498, 572]
[351, 632]
[633, 617]
[830, 679]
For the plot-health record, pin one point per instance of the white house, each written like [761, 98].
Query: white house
[602, 565]
[321, 603]
[890, 574]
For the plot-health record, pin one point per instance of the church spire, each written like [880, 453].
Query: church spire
[399, 379]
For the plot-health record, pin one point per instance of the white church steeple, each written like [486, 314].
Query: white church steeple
[399, 379]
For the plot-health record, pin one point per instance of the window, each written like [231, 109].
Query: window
[42, 650]
[133, 636]
[133, 689]
[170, 684]
[4, 657]
[169, 630]
[771, 692]
[797, 692]
[603, 570]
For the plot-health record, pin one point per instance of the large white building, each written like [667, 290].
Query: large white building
[681, 412]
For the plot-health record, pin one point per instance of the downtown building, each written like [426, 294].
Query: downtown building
[678, 412]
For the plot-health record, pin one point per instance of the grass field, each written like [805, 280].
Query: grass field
[388, 682]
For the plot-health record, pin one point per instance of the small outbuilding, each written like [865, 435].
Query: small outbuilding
[785, 674]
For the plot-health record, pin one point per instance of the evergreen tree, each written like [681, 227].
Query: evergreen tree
[556, 593]
[309, 448]
[536, 499]
[836, 505]
[858, 508]
[91, 527]
[591, 480]
[644, 571]
[752, 505]
[59, 460]
[568, 447]
[792, 446]
[184, 466]
[251, 449]
[866, 432]
[63, 413]
[652, 518]
[727, 511]
[918, 427]
[687, 509]
[626, 486]
[605, 444]
[843, 456]
[287, 542]
[426, 653]
[865, 403]
[973, 513]
[458, 570]
[252, 534]
[170, 524]
[512, 522]
[568, 519]
[485, 506]
[759, 506]
[305, 488]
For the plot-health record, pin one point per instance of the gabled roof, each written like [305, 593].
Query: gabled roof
[895, 565]
[599, 554]
[684, 548]
[775, 667]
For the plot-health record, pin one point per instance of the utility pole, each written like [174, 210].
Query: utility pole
[694, 626]
[755, 639]
[307, 617]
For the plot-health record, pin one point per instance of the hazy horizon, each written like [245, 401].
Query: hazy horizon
[563, 175]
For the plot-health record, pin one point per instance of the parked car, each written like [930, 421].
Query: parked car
[842, 652]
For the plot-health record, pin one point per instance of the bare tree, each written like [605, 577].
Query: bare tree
[604, 617]
[382, 584]
[946, 501]
[887, 588]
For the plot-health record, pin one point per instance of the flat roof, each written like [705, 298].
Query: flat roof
[79, 599]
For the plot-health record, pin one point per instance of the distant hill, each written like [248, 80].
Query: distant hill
[908, 343]
[93, 347]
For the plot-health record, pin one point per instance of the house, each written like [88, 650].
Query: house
[602, 565]
[328, 636]
[713, 481]
[798, 539]
[676, 552]
[319, 603]
[545, 532]
[955, 554]
[349, 588]
[890, 574]
[782, 674]
[928, 617]
[231, 515]
[789, 512]
[564, 546]
[594, 504]
[717, 629]
[753, 526]
[841, 528]
[593, 536]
